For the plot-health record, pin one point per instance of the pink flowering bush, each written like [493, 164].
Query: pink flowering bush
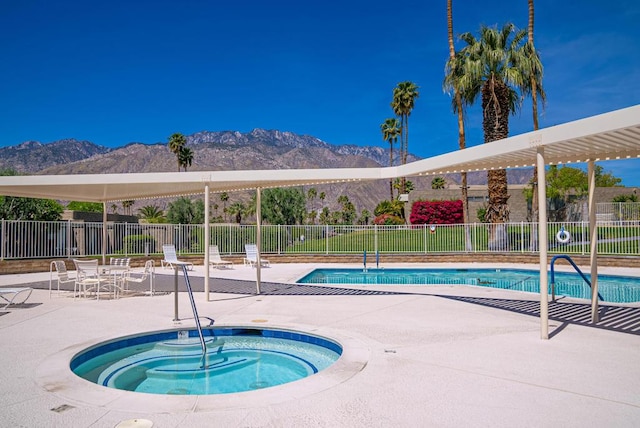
[436, 212]
[388, 220]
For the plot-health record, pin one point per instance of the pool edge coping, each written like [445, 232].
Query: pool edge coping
[54, 375]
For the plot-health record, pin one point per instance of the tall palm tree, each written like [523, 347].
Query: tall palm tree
[126, 205]
[533, 87]
[224, 197]
[311, 195]
[185, 157]
[176, 143]
[390, 131]
[404, 96]
[493, 67]
[237, 210]
[450, 85]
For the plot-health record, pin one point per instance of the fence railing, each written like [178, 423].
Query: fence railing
[68, 239]
[618, 211]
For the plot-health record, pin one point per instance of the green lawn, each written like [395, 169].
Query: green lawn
[616, 240]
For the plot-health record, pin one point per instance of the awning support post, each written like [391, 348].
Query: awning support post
[543, 244]
[593, 239]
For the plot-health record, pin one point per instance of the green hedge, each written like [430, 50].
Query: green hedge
[135, 244]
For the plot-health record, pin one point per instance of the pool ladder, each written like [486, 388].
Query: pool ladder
[195, 313]
[553, 277]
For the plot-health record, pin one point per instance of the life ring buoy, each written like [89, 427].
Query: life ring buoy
[432, 229]
[563, 236]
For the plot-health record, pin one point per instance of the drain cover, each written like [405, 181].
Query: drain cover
[135, 423]
[61, 408]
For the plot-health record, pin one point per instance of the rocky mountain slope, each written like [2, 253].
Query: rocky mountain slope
[225, 150]
[33, 156]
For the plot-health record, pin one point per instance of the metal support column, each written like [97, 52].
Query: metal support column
[542, 241]
[207, 238]
[258, 238]
[104, 233]
[175, 293]
[593, 239]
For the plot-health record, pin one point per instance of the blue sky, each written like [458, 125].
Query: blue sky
[115, 72]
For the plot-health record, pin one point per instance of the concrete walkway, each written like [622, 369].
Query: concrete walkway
[414, 356]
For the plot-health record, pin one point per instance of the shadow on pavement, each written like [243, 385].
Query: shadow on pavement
[622, 319]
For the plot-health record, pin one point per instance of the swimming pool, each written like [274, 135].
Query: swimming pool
[612, 288]
[237, 360]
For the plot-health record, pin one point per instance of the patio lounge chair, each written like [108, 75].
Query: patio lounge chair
[9, 295]
[62, 274]
[140, 278]
[170, 258]
[216, 260]
[251, 257]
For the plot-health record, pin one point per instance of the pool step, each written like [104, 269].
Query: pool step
[127, 373]
[188, 344]
[224, 365]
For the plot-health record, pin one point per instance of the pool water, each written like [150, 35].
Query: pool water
[237, 360]
[615, 289]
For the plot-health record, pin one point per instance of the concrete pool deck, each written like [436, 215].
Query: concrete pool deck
[414, 356]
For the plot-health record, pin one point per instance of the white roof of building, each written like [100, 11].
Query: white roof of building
[614, 135]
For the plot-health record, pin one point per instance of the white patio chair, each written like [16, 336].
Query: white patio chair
[62, 274]
[170, 257]
[251, 256]
[120, 261]
[116, 272]
[88, 278]
[216, 260]
[139, 278]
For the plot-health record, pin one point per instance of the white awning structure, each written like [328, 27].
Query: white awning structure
[134, 186]
[614, 135]
[610, 136]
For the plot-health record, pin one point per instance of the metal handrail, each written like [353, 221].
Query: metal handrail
[553, 277]
[195, 310]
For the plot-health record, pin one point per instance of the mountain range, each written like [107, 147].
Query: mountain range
[225, 150]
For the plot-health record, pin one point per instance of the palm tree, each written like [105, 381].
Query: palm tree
[151, 213]
[237, 209]
[408, 186]
[390, 131]
[311, 195]
[176, 143]
[126, 206]
[533, 87]
[312, 216]
[325, 216]
[404, 96]
[450, 85]
[438, 183]
[224, 197]
[185, 157]
[492, 66]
